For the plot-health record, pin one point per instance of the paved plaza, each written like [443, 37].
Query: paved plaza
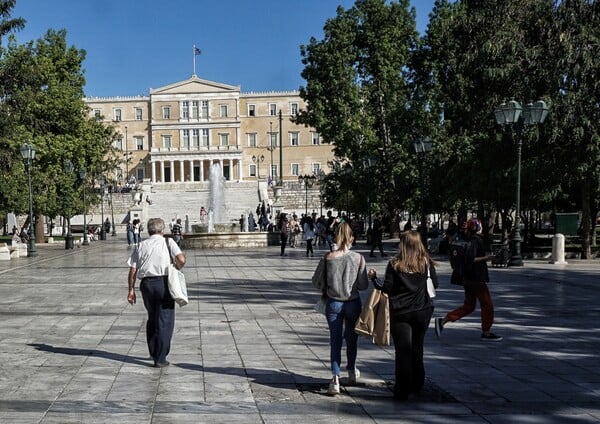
[249, 348]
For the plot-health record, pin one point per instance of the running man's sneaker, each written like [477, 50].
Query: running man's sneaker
[334, 386]
[491, 337]
[353, 375]
[439, 327]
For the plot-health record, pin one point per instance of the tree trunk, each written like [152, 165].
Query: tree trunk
[39, 229]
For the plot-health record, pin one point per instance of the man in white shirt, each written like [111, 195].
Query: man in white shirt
[149, 263]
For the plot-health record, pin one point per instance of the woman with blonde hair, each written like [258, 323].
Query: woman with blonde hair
[345, 274]
[411, 309]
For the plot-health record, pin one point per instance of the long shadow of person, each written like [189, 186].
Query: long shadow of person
[90, 352]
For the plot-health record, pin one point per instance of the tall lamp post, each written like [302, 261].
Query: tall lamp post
[82, 175]
[347, 171]
[370, 163]
[112, 210]
[102, 232]
[514, 115]
[68, 167]
[28, 153]
[271, 148]
[321, 178]
[423, 146]
[309, 181]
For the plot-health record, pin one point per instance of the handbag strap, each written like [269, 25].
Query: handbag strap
[169, 250]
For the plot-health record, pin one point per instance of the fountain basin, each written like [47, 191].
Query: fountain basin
[224, 240]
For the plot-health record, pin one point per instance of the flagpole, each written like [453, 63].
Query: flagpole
[194, 58]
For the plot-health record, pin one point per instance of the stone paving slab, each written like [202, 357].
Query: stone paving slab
[249, 348]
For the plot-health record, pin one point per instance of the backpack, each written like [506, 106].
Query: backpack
[458, 260]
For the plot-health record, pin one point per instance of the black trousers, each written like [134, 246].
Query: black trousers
[161, 316]
[284, 240]
[408, 332]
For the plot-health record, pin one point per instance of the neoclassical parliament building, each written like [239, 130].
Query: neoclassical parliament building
[172, 137]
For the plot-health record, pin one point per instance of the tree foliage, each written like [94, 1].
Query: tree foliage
[41, 84]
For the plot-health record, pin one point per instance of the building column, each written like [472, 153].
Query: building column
[231, 169]
[172, 162]
[240, 169]
[181, 175]
[153, 169]
[221, 163]
[201, 170]
[162, 171]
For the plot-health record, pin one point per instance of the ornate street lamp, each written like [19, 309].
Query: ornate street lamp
[257, 160]
[28, 153]
[321, 178]
[82, 175]
[102, 232]
[423, 146]
[309, 181]
[514, 115]
[68, 167]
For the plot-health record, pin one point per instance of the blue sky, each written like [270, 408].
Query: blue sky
[135, 45]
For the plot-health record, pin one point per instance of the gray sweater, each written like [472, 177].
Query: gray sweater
[346, 275]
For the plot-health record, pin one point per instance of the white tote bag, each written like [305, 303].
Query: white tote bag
[430, 286]
[177, 286]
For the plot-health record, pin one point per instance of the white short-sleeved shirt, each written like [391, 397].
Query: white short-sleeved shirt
[151, 258]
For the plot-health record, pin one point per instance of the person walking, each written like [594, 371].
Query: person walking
[411, 309]
[474, 280]
[345, 274]
[309, 235]
[149, 263]
[283, 232]
[176, 231]
[377, 237]
[129, 233]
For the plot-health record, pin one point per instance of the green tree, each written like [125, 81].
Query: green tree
[42, 87]
[358, 91]
[576, 135]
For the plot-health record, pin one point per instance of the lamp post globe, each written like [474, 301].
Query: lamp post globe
[28, 153]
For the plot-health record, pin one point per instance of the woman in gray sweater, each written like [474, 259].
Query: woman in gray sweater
[346, 274]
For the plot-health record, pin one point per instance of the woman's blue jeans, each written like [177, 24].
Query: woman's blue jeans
[341, 318]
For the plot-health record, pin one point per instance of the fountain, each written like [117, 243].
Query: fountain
[217, 232]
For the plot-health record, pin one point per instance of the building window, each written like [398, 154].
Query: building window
[205, 137]
[316, 140]
[97, 114]
[295, 138]
[224, 139]
[295, 169]
[195, 109]
[273, 170]
[119, 143]
[272, 109]
[251, 139]
[252, 171]
[139, 114]
[185, 110]
[223, 111]
[166, 112]
[273, 140]
[316, 168]
[294, 109]
[139, 142]
[251, 110]
[186, 138]
[117, 115]
[204, 109]
[166, 139]
[140, 173]
[196, 137]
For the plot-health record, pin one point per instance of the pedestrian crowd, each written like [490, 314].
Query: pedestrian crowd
[407, 288]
